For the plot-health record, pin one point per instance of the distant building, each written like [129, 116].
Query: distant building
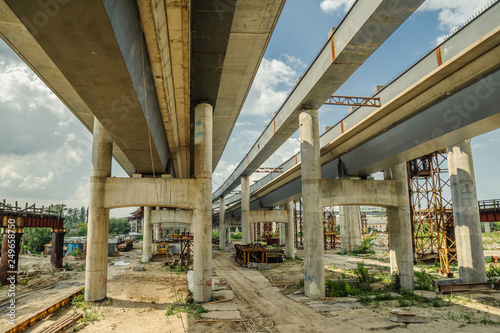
[135, 221]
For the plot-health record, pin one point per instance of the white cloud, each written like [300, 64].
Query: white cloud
[221, 173]
[36, 183]
[5, 183]
[7, 172]
[331, 6]
[274, 80]
[453, 13]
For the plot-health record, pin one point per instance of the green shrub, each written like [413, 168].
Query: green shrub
[236, 235]
[493, 271]
[396, 282]
[364, 277]
[423, 281]
[340, 288]
[300, 284]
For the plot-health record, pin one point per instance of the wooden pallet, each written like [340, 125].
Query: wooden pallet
[63, 323]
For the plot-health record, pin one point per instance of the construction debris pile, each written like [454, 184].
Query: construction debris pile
[381, 241]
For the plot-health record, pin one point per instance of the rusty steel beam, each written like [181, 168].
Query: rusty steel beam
[448, 288]
[56, 254]
[353, 101]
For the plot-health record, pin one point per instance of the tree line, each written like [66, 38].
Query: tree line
[75, 221]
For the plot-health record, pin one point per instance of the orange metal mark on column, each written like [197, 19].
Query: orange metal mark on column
[439, 57]
[342, 126]
[274, 123]
[295, 159]
[333, 49]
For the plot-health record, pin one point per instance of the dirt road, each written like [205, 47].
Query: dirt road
[264, 304]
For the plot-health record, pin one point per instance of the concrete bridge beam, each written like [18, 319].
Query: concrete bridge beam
[470, 254]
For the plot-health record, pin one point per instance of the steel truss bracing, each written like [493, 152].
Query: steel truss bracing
[329, 231]
[431, 210]
[353, 101]
[329, 226]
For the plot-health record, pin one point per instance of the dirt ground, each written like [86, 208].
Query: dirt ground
[259, 300]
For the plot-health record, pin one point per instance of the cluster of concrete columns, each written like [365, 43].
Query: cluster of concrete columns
[286, 228]
[97, 239]
[466, 215]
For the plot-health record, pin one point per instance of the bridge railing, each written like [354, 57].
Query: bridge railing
[490, 205]
[28, 211]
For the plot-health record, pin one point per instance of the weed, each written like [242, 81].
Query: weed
[24, 282]
[188, 306]
[493, 272]
[365, 300]
[396, 282]
[423, 281]
[300, 284]
[340, 288]
[364, 277]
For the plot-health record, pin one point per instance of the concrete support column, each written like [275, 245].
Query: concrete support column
[228, 233]
[222, 223]
[290, 240]
[350, 228]
[147, 236]
[399, 225]
[245, 211]
[487, 228]
[470, 254]
[96, 272]
[202, 226]
[8, 265]
[314, 270]
[56, 255]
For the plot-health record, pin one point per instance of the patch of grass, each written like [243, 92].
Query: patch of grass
[90, 310]
[365, 300]
[340, 288]
[24, 282]
[300, 284]
[493, 271]
[423, 281]
[396, 282]
[364, 277]
[188, 306]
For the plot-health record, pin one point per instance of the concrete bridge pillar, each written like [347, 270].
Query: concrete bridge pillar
[487, 228]
[222, 223]
[470, 254]
[147, 236]
[290, 240]
[245, 211]
[56, 255]
[202, 226]
[350, 228]
[96, 271]
[399, 225]
[8, 265]
[314, 270]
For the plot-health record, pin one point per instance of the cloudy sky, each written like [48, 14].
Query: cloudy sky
[45, 151]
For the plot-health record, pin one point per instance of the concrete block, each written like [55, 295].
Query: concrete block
[221, 315]
[139, 268]
[447, 281]
[263, 266]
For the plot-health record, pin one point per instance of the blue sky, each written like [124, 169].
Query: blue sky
[45, 151]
